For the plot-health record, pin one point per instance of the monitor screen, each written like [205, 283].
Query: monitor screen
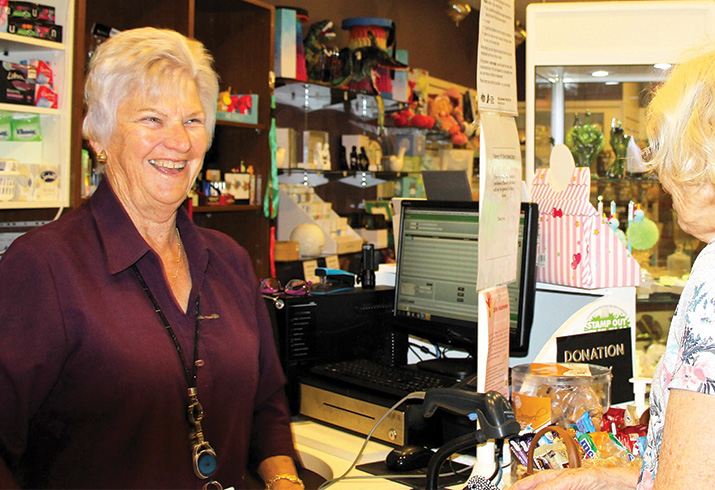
[435, 286]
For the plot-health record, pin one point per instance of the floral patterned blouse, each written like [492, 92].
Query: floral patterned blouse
[689, 359]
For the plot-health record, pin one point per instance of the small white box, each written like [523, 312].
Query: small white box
[238, 185]
[47, 183]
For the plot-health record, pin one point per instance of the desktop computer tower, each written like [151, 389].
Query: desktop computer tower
[319, 329]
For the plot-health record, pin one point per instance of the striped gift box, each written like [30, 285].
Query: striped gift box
[576, 245]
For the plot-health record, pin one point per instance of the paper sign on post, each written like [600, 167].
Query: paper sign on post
[500, 200]
[493, 341]
[496, 57]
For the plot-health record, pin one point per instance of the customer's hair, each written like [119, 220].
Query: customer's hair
[680, 123]
[144, 62]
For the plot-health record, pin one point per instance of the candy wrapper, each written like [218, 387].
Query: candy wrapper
[608, 451]
[633, 438]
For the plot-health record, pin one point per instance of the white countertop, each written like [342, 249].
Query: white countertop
[329, 452]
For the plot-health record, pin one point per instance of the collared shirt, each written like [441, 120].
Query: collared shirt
[92, 390]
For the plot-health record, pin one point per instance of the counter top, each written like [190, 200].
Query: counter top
[329, 452]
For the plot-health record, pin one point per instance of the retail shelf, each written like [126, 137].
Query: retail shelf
[339, 174]
[30, 109]
[31, 204]
[314, 96]
[258, 127]
[9, 42]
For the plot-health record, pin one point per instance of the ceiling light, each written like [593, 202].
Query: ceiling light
[599, 73]
[662, 66]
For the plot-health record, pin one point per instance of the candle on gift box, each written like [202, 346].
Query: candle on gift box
[630, 220]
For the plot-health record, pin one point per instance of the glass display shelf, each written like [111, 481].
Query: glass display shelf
[314, 96]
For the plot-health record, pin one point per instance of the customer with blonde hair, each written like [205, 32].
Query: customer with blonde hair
[135, 348]
[681, 433]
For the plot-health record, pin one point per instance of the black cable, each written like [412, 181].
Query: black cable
[414, 351]
[461, 443]
[424, 349]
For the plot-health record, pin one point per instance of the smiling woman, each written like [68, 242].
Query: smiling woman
[143, 313]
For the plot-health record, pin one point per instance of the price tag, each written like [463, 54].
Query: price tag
[332, 262]
[309, 267]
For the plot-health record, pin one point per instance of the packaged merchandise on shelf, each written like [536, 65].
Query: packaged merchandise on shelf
[40, 73]
[241, 108]
[45, 97]
[34, 28]
[38, 182]
[8, 179]
[16, 86]
[3, 15]
[238, 184]
[30, 10]
[32, 20]
[26, 127]
[28, 82]
[5, 126]
[47, 183]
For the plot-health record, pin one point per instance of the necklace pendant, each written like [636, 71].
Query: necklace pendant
[205, 460]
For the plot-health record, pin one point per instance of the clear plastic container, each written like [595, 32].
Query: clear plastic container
[560, 393]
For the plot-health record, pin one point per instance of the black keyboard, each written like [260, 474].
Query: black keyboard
[398, 381]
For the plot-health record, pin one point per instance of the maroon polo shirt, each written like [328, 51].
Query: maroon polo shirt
[92, 391]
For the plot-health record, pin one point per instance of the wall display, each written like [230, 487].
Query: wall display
[35, 103]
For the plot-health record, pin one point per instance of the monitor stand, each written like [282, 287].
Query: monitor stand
[456, 367]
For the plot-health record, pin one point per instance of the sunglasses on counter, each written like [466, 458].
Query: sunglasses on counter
[294, 287]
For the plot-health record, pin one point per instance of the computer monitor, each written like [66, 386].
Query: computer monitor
[435, 285]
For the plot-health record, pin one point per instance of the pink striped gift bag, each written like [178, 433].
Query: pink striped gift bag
[576, 245]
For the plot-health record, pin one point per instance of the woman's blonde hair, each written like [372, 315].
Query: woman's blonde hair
[680, 123]
[144, 62]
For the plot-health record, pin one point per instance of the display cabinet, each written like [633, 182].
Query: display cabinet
[335, 112]
[602, 60]
[599, 62]
[239, 34]
[52, 154]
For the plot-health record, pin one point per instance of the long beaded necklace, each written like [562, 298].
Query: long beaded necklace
[204, 457]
